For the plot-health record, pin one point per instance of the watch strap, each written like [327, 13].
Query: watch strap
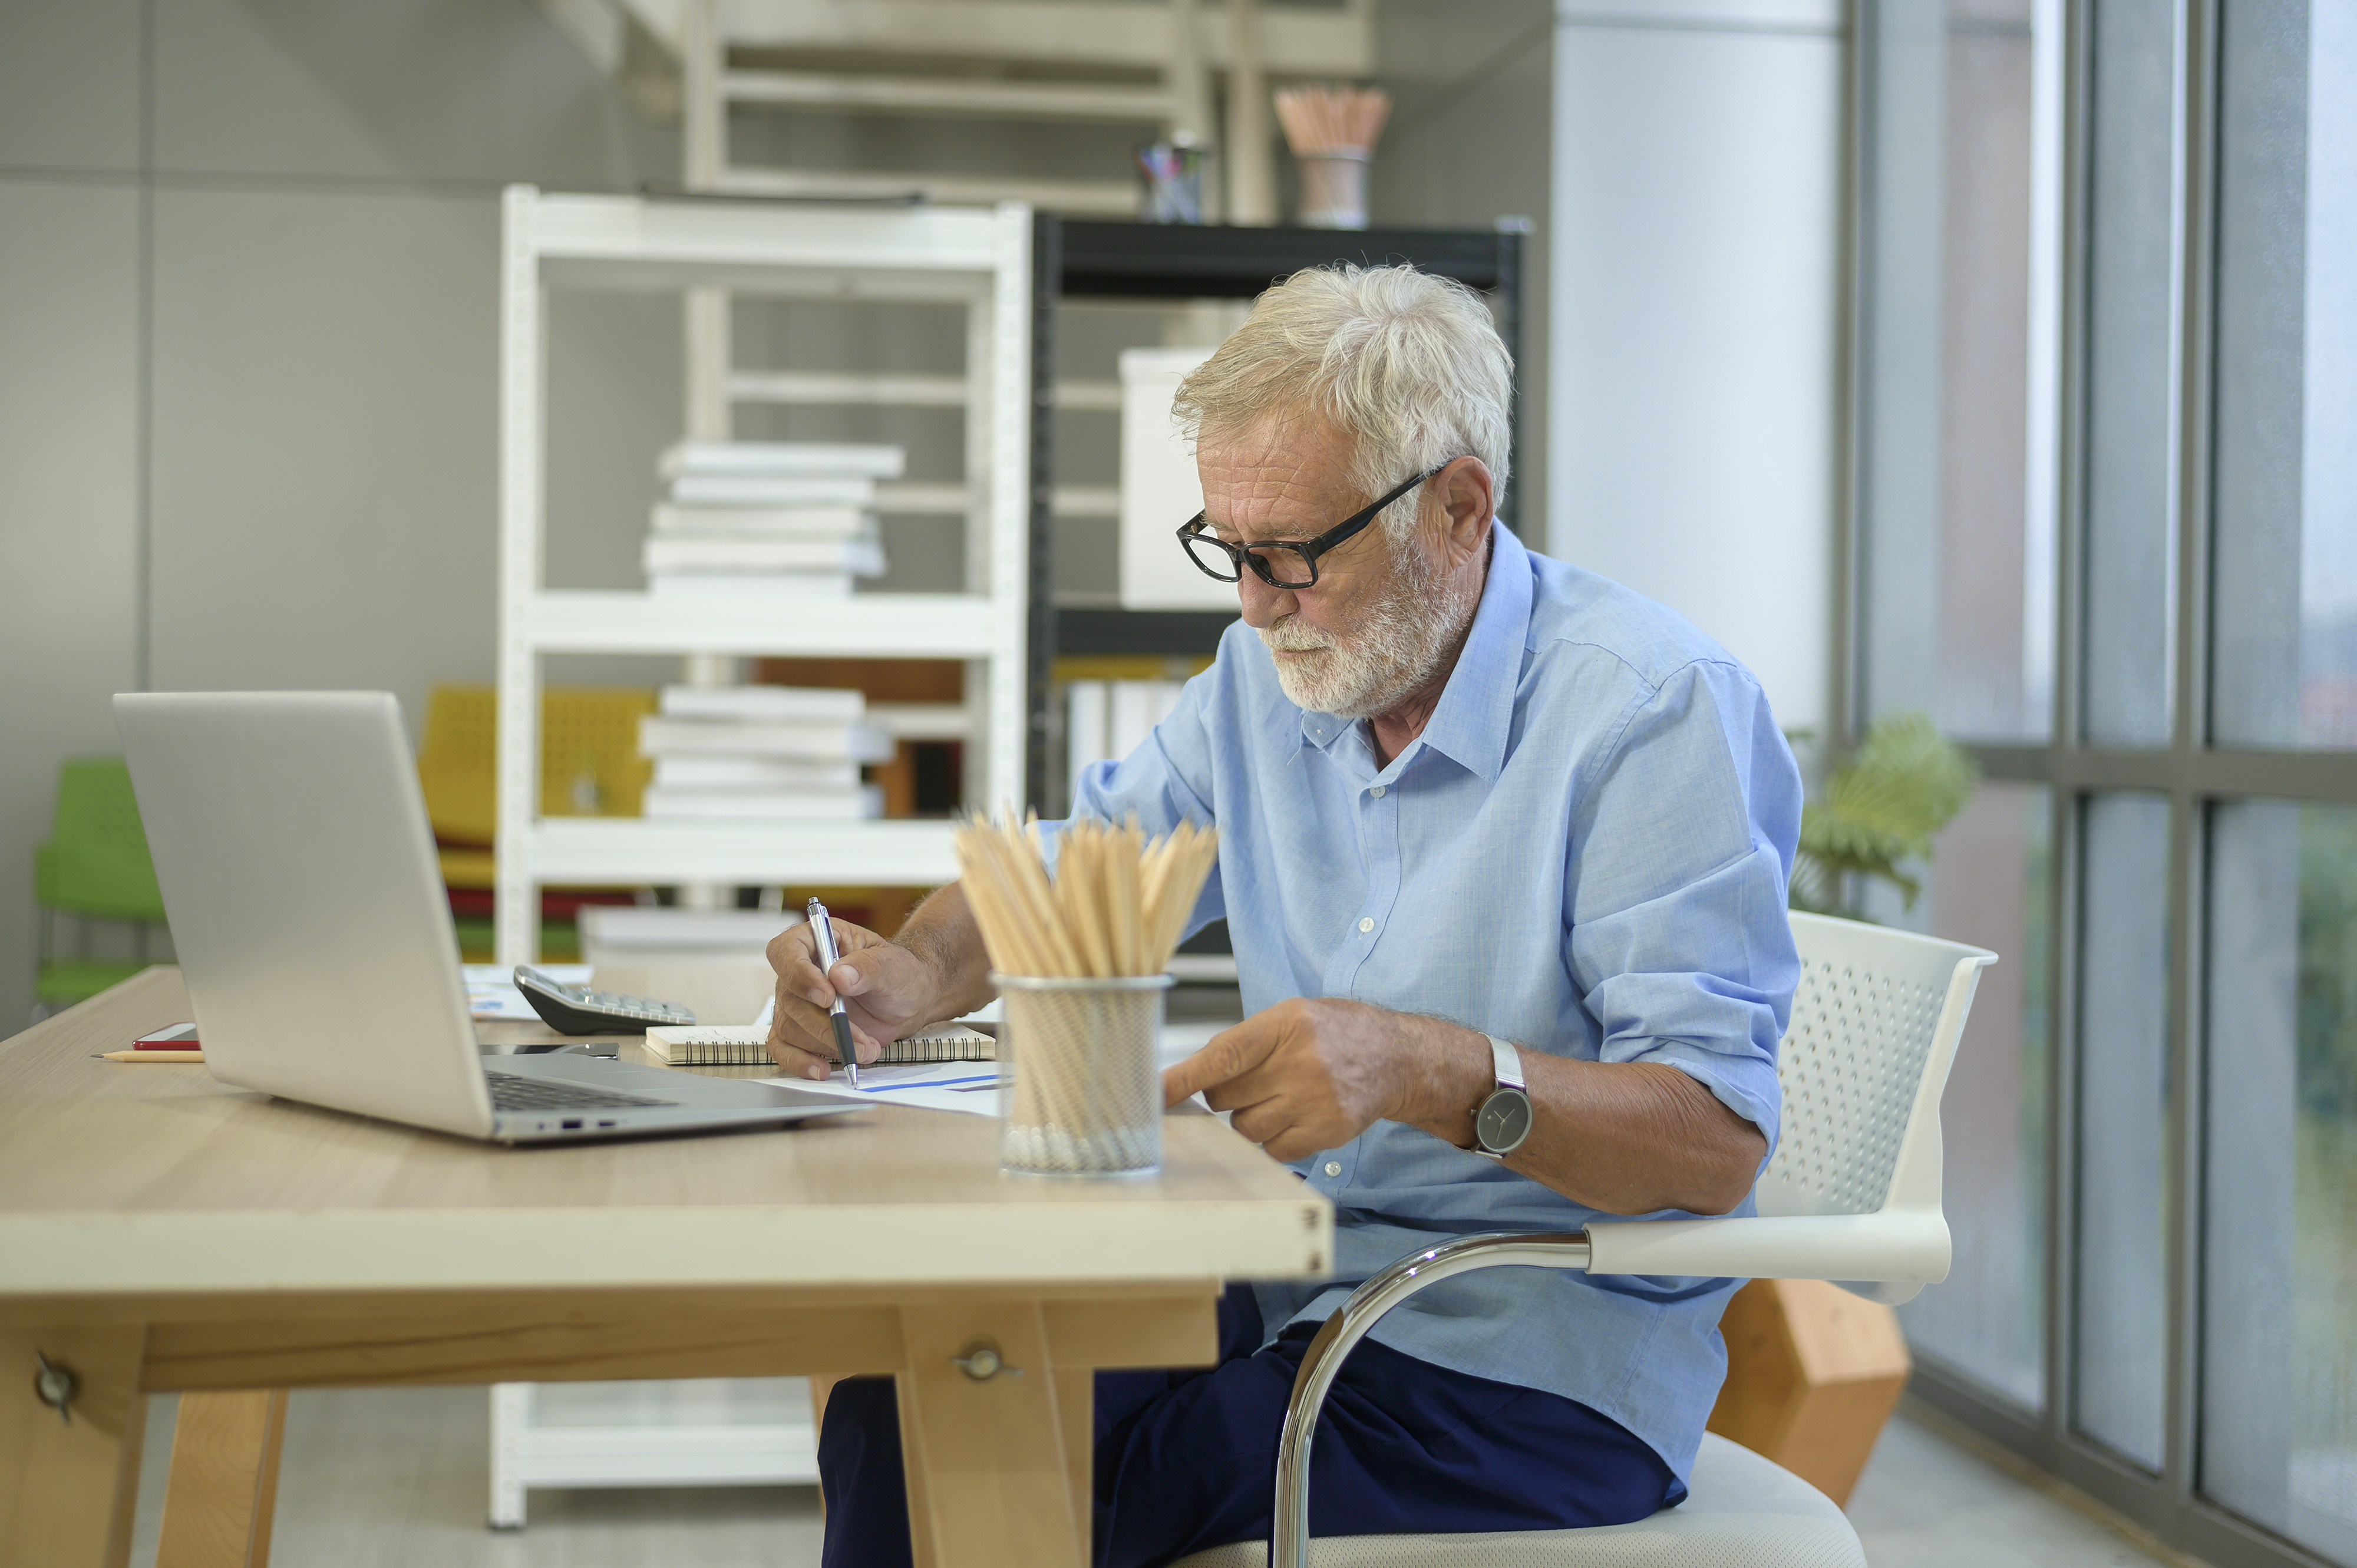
[1507, 1062]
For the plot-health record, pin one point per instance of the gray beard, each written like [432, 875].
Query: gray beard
[1396, 648]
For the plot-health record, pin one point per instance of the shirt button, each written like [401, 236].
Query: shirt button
[1367, 923]
[1333, 1167]
[1377, 791]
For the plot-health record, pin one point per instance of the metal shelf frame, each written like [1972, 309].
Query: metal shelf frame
[979, 257]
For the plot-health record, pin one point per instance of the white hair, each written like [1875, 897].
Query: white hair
[1406, 364]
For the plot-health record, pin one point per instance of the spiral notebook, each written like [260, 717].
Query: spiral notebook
[746, 1044]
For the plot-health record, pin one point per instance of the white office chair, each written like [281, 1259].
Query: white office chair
[1852, 1196]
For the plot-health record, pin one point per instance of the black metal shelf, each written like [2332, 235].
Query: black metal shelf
[1155, 261]
[1173, 634]
[1077, 259]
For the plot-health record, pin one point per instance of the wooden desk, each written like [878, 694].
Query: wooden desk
[159, 1231]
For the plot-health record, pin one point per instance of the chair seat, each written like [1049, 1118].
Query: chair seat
[1744, 1512]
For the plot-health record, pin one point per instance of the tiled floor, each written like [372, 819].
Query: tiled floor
[1924, 1502]
[388, 1479]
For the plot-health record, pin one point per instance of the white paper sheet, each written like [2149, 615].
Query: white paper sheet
[930, 1084]
[969, 1087]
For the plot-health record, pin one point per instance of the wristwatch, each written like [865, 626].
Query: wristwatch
[1503, 1120]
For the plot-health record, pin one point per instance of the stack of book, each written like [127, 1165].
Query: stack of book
[772, 519]
[1107, 720]
[762, 752]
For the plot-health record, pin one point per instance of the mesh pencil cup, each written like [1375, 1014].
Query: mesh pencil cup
[1333, 187]
[1080, 1086]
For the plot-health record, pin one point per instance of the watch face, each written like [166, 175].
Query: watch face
[1505, 1120]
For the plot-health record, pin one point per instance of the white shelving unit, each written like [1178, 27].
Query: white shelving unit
[979, 257]
[731, 1432]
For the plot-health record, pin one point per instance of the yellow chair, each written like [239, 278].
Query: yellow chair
[589, 766]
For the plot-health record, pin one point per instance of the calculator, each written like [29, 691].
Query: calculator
[579, 1010]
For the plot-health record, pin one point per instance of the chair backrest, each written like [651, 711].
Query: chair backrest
[96, 860]
[1874, 1026]
[589, 761]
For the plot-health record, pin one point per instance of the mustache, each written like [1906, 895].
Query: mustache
[1289, 636]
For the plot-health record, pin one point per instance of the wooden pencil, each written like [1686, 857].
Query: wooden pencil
[1328, 121]
[1116, 905]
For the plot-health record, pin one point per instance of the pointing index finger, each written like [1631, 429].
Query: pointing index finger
[1230, 1054]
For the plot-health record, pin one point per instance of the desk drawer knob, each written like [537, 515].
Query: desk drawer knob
[55, 1385]
[981, 1363]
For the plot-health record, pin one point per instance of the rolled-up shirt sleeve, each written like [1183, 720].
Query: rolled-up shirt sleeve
[1682, 855]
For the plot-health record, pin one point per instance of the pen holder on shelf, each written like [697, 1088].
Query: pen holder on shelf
[1172, 176]
[1334, 189]
[1333, 132]
[1079, 1085]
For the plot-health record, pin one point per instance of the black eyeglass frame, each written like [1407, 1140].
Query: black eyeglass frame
[1309, 549]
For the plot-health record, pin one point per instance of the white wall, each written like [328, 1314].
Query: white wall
[1694, 280]
[246, 362]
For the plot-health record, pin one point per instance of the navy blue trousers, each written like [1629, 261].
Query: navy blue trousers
[1187, 1460]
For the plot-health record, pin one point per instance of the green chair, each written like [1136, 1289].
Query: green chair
[94, 868]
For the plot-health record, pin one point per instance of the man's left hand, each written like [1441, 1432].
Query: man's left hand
[1307, 1075]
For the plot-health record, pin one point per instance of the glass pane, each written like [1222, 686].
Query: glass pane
[1957, 429]
[2279, 1364]
[2133, 222]
[2123, 1091]
[2284, 667]
[1989, 885]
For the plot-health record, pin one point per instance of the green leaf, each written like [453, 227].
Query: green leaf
[1879, 808]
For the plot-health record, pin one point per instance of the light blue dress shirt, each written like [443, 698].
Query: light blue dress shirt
[1584, 853]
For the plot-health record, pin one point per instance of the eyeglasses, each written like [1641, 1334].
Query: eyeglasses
[1291, 565]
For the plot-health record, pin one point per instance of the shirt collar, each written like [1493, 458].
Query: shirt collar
[1476, 711]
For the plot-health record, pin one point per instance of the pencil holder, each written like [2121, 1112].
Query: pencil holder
[1080, 1086]
[1333, 188]
[1172, 173]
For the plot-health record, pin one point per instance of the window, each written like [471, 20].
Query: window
[2105, 530]
[1990, 884]
[2279, 1362]
[1956, 346]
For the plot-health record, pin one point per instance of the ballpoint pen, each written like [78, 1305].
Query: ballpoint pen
[822, 931]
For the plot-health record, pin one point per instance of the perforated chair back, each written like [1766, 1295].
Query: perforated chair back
[1874, 1030]
[589, 761]
[95, 861]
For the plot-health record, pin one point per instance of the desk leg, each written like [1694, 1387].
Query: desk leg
[223, 1487]
[67, 1486]
[1076, 1413]
[923, 1551]
[989, 1485]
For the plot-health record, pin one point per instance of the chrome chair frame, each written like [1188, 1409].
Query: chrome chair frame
[1290, 1545]
[1886, 1253]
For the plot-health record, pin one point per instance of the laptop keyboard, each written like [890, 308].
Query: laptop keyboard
[509, 1093]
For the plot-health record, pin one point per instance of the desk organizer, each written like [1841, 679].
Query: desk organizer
[1079, 1091]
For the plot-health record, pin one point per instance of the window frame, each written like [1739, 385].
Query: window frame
[2192, 773]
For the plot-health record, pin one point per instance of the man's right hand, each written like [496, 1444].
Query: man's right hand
[887, 990]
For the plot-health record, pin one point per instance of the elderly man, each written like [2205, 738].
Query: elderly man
[1504, 850]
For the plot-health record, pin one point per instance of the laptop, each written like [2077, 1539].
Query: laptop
[300, 877]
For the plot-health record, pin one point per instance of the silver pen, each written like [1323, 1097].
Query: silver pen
[823, 932]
